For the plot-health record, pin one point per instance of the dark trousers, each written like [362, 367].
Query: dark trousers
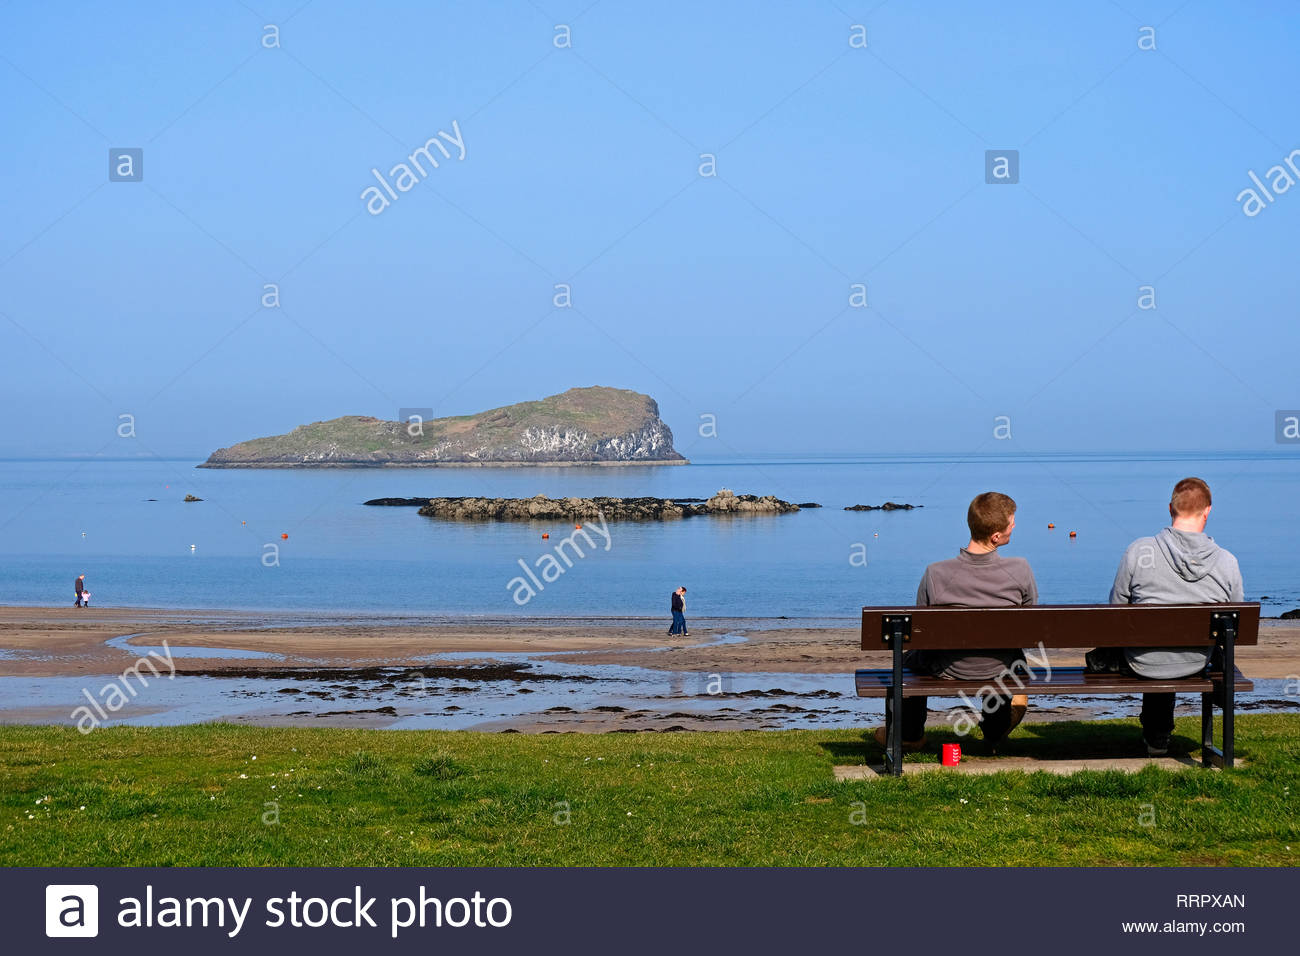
[77, 602]
[915, 709]
[1157, 715]
[994, 725]
[679, 623]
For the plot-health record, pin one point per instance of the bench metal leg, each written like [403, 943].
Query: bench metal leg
[895, 630]
[1229, 692]
[1225, 633]
[1210, 755]
[892, 765]
[894, 716]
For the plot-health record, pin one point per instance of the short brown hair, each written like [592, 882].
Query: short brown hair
[988, 514]
[1191, 496]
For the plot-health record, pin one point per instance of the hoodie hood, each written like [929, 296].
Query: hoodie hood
[1192, 555]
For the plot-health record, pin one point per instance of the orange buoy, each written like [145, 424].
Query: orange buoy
[1074, 534]
[578, 526]
[1050, 526]
[285, 535]
[545, 536]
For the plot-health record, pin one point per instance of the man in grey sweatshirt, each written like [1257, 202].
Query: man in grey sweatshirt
[1180, 565]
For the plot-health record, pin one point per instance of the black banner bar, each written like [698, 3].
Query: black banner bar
[655, 911]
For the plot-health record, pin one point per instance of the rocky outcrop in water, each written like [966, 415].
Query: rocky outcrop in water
[542, 508]
[887, 506]
[597, 425]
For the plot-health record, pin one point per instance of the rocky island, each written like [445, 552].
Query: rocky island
[542, 508]
[584, 426]
[887, 506]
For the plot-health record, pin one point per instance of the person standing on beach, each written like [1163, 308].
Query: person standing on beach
[1180, 565]
[80, 587]
[977, 577]
[678, 607]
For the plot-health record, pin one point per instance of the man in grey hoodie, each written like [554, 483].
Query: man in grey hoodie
[1180, 565]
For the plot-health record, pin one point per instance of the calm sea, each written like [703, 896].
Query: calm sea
[60, 518]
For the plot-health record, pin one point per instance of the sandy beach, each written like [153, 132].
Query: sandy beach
[503, 674]
[60, 642]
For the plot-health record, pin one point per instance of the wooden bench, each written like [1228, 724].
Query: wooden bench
[1059, 626]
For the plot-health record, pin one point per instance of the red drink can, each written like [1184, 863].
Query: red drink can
[951, 755]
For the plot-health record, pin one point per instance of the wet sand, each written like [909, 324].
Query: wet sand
[57, 642]
[52, 642]
[530, 675]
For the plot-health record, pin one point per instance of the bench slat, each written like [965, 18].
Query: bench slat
[1061, 625]
[1064, 680]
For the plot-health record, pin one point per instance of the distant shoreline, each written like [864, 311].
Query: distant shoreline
[441, 464]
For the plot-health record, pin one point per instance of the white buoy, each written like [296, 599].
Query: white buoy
[192, 547]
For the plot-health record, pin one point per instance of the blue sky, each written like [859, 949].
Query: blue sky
[724, 295]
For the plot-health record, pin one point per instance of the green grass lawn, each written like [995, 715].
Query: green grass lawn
[195, 796]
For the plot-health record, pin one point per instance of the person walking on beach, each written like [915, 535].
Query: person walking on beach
[1180, 565]
[977, 577]
[678, 608]
[80, 588]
